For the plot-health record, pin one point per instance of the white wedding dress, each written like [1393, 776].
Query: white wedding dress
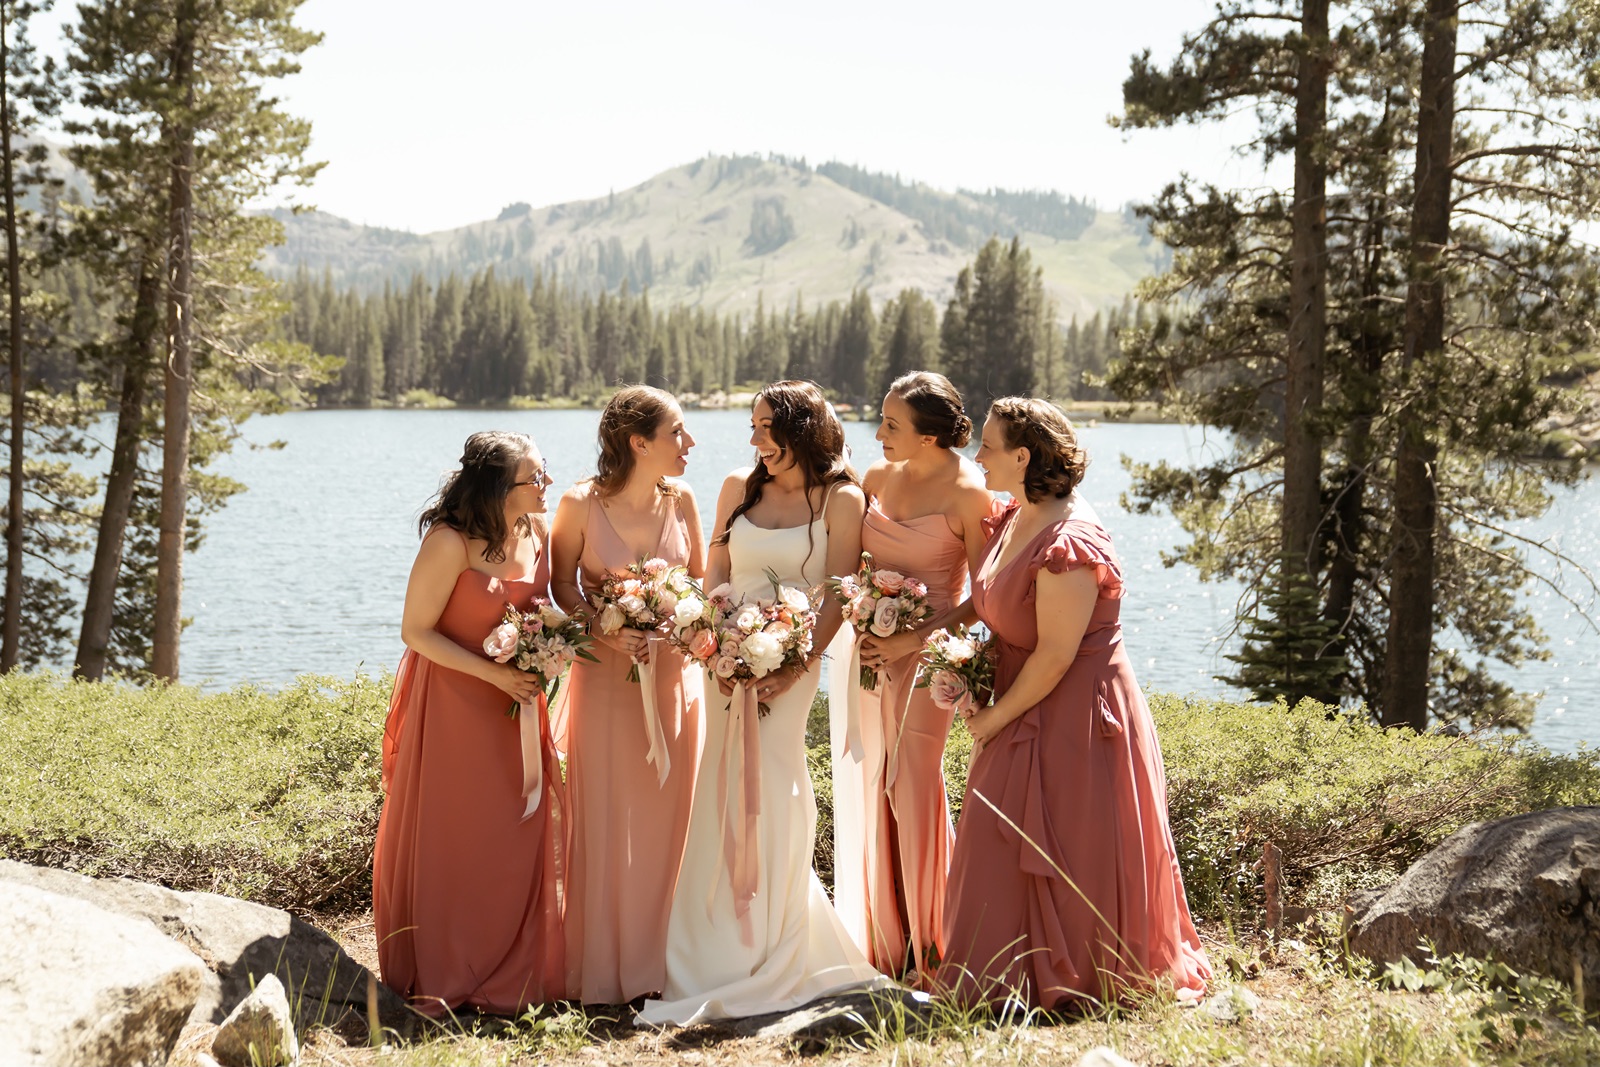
[790, 947]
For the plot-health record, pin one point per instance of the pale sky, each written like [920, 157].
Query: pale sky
[435, 115]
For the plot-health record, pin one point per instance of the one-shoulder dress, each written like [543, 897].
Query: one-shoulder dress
[631, 781]
[891, 861]
[1064, 884]
[467, 882]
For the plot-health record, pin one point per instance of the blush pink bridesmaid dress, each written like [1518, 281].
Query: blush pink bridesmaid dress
[632, 785]
[466, 881]
[1064, 884]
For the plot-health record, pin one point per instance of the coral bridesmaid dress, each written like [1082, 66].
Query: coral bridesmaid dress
[890, 868]
[467, 882]
[1064, 884]
[631, 777]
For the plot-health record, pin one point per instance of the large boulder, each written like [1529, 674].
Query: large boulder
[240, 943]
[80, 985]
[1525, 890]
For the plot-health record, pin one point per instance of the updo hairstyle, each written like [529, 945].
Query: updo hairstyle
[472, 500]
[1056, 461]
[635, 409]
[936, 407]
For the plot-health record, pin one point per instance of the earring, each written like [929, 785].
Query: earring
[645, 451]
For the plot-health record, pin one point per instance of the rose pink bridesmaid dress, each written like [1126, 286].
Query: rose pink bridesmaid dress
[897, 870]
[1064, 884]
[632, 786]
[466, 882]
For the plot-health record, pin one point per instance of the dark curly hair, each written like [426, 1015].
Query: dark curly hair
[472, 500]
[936, 407]
[1056, 461]
[804, 426]
[635, 409]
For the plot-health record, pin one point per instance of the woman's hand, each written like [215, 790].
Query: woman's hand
[879, 652]
[521, 686]
[776, 684]
[983, 725]
[632, 643]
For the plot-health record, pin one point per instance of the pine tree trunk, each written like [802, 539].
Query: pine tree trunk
[1307, 340]
[1411, 563]
[180, 303]
[99, 609]
[11, 628]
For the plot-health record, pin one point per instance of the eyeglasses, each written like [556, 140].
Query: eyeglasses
[540, 477]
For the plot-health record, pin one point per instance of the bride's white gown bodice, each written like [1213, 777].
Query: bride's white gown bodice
[799, 949]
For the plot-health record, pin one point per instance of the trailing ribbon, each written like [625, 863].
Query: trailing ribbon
[652, 722]
[852, 705]
[530, 729]
[738, 805]
[907, 687]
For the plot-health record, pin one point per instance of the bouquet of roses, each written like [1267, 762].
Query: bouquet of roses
[959, 668]
[745, 639]
[880, 602]
[644, 597]
[543, 640]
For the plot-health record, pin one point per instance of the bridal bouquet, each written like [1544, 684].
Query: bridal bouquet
[880, 602]
[959, 668]
[644, 597]
[542, 640]
[745, 639]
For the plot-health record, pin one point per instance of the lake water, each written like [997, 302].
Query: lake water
[306, 571]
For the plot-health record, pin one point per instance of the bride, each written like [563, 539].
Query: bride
[751, 930]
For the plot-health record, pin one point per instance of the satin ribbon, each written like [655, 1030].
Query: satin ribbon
[892, 758]
[530, 733]
[657, 755]
[738, 807]
[852, 704]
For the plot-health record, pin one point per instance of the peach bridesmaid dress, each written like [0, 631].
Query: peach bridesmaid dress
[889, 876]
[632, 784]
[1064, 884]
[466, 881]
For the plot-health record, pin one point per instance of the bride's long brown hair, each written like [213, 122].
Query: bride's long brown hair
[804, 426]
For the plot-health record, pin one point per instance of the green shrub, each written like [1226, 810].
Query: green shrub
[275, 796]
[269, 796]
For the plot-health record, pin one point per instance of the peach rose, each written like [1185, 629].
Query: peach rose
[703, 645]
[501, 643]
[890, 582]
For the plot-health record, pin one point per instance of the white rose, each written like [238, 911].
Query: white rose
[748, 617]
[552, 616]
[688, 611]
[793, 599]
[666, 603]
[611, 619]
[635, 607]
[763, 652]
[723, 592]
[959, 650]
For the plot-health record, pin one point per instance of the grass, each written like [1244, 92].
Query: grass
[274, 797]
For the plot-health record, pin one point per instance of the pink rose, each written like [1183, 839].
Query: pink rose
[849, 587]
[725, 667]
[890, 582]
[861, 608]
[654, 567]
[886, 617]
[501, 642]
[916, 588]
[781, 629]
[730, 646]
[703, 645]
[948, 688]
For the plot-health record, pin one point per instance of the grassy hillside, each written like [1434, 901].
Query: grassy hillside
[721, 230]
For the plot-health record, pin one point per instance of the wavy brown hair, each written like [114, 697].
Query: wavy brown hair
[635, 409]
[472, 500]
[804, 426]
[1056, 462]
[936, 407]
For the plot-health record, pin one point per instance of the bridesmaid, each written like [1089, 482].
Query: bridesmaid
[1064, 885]
[466, 893]
[631, 774]
[924, 519]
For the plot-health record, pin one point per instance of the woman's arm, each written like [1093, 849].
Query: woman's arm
[718, 565]
[1063, 604]
[566, 549]
[697, 536]
[439, 563]
[845, 511]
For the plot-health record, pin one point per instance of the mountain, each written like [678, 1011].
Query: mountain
[725, 230]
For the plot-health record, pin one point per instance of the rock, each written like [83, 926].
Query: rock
[1101, 1056]
[239, 942]
[259, 1032]
[1525, 890]
[79, 984]
[846, 1015]
[1231, 1004]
